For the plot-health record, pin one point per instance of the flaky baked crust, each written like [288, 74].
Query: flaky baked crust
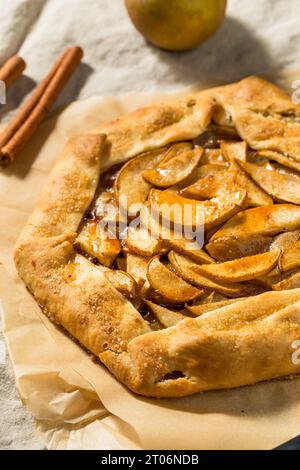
[225, 348]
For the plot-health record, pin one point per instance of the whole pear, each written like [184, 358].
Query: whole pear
[176, 25]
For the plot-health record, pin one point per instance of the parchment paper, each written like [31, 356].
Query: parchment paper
[76, 402]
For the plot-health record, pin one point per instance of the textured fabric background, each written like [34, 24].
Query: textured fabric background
[258, 37]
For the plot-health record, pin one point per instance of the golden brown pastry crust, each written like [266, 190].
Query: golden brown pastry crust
[212, 352]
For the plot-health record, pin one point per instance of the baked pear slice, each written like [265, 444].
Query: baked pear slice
[271, 278]
[138, 240]
[256, 196]
[244, 311]
[151, 220]
[188, 270]
[233, 179]
[180, 211]
[211, 298]
[290, 258]
[282, 186]
[165, 316]
[136, 266]
[130, 188]
[285, 240]
[234, 150]
[171, 239]
[98, 242]
[198, 310]
[279, 158]
[209, 169]
[289, 245]
[290, 282]
[168, 285]
[122, 281]
[230, 248]
[212, 185]
[242, 269]
[200, 171]
[177, 165]
[260, 222]
[213, 157]
[189, 248]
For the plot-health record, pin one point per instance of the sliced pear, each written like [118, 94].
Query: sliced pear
[213, 157]
[252, 309]
[155, 297]
[252, 232]
[289, 245]
[209, 169]
[234, 150]
[198, 310]
[181, 211]
[200, 171]
[143, 292]
[188, 270]
[285, 240]
[190, 249]
[165, 316]
[211, 298]
[175, 167]
[212, 186]
[98, 242]
[173, 240]
[170, 286]
[123, 282]
[106, 207]
[136, 266]
[284, 170]
[149, 219]
[271, 278]
[229, 248]
[290, 258]
[131, 189]
[280, 158]
[242, 269]
[291, 282]
[282, 186]
[260, 222]
[227, 181]
[255, 195]
[138, 240]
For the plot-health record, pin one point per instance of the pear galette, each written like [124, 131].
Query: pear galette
[168, 241]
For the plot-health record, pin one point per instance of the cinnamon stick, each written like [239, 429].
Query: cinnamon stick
[20, 130]
[12, 69]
